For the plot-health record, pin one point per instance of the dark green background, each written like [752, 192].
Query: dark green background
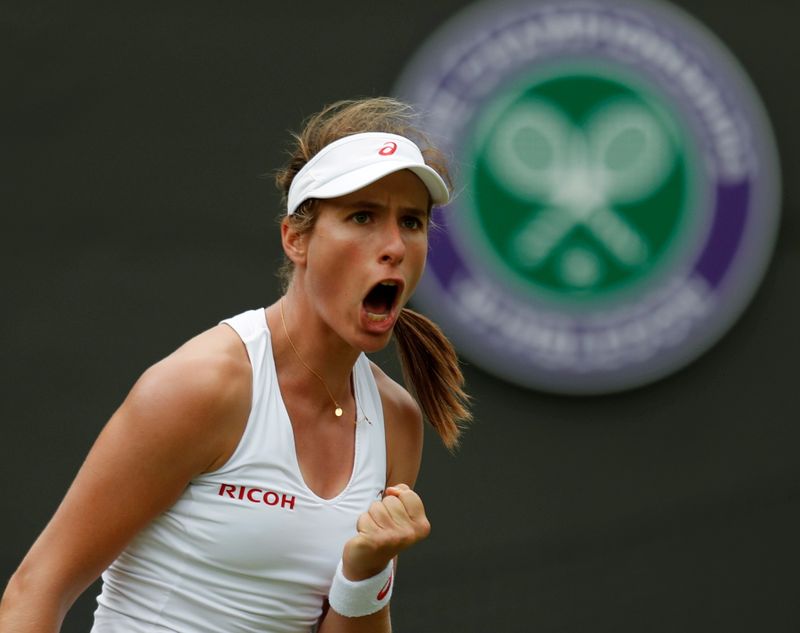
[134, 215]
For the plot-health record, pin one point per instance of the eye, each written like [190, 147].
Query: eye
[360, 217]
[412, 222]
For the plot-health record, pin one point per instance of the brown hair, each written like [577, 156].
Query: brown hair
[429, 362]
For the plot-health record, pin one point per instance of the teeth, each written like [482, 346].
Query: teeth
[388, 283]
[377, 317]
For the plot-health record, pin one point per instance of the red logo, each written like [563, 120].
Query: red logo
[257, 495]
[382, 593]
[389, 148]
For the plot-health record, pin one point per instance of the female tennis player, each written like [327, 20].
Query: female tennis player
[260, 478]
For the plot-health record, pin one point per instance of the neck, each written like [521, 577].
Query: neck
[310, 356]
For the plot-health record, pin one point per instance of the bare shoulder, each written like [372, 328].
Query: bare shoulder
[200, 391]
[404, 430]
[214, 358]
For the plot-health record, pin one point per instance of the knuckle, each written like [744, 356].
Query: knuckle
[424, 527]
[392, 502]
[412, 499]
[393, 540]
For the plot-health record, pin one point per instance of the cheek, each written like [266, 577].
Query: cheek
[417, 256]
[333, 266]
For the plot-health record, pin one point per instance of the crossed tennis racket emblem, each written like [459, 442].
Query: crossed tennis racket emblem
[619, 155]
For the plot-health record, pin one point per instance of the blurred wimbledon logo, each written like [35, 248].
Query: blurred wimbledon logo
[617, 193]
[589, 185]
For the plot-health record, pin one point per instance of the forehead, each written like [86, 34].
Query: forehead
[402, 188]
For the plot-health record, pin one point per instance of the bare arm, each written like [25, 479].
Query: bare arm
[180, 419]
[393, 524]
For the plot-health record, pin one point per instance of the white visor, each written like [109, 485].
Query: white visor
[353, 162]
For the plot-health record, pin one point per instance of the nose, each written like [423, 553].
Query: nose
[393, 247]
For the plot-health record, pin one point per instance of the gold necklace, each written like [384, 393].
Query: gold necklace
[338, 410]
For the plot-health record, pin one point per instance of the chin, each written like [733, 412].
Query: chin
[374, 343]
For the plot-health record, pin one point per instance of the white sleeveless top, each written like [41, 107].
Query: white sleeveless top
[248, 547]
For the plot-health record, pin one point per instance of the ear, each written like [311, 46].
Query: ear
[294, 243]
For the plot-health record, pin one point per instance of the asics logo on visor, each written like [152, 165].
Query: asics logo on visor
[389, 148]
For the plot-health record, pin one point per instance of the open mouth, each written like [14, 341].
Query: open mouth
[380, 301]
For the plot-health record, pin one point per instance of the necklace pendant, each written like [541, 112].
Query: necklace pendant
[338, 412]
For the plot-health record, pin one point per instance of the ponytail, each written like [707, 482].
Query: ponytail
[431, 371]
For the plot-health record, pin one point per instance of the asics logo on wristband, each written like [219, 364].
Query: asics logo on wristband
[382, 593]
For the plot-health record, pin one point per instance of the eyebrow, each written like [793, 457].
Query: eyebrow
[377, 206]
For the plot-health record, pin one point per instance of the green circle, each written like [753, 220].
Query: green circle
[620, 203]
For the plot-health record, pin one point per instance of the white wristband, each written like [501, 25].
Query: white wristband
[355, 598]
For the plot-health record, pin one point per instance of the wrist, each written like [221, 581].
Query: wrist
[360, 562]
[356, 573]
[359, 597]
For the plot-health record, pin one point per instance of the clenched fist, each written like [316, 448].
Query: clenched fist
[388, 527]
